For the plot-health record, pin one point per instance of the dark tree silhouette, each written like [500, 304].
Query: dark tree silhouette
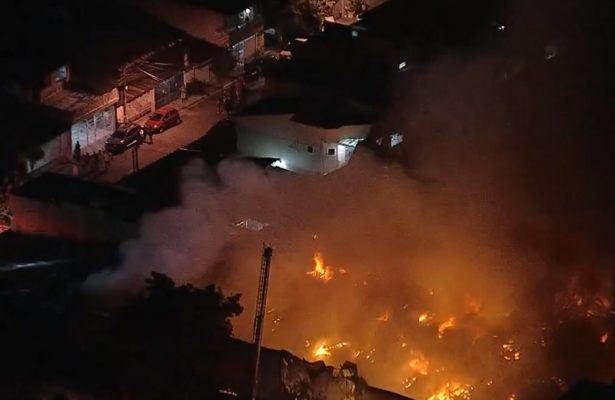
[165, 343]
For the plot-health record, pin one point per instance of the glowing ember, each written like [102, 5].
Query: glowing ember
[424, 318]
[453, 391]
[321, 271]
[419, 364]
[604, 337]
[449, 323]
[407, 382]
[509, 352]
[384, 317]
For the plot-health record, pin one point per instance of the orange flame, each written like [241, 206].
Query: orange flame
[452, 391]
[419, 364]
[321, 271]
[449, 323]
[604, 337]
[323, 350]
[423, 318]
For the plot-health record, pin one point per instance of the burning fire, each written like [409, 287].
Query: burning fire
[442, 375]
[449, 323]
[453, 391]
[424, 318]
[322, 350]
[321, 271]
[419, 364]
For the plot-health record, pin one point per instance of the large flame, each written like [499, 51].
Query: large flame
[321, 271]
[449, 323]
[419, 364]
[322, 350]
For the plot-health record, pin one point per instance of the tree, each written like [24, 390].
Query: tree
[311, 14]
[167, 342]
[223, 64]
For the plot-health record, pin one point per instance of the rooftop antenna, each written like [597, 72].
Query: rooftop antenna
[261, 308]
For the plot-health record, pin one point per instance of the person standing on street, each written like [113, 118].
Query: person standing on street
[77, 152]
[183, 93]
[107, 159]
[150, 134]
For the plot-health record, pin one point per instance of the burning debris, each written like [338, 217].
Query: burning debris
[453, 391]
[509, 352]
[322, 350]
[321, 271]
[444, 326]
[283, 375]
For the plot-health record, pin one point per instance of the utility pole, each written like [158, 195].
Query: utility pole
[261, 308]
[135, 157]
[124, 90]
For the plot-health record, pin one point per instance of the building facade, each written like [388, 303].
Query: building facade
[236, 25]
[310, 136]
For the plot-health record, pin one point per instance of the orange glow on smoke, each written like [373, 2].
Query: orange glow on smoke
[449, 323]
[321, 271]
[472, 305]
[384, 317]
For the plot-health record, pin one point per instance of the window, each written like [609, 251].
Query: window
[245, 16]
[331, 152]
[239, 20]
[59, 75]
[310, 149]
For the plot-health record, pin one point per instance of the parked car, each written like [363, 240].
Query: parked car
[125, 136]
[162, 119]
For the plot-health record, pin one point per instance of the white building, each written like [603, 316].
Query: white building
[304, 135]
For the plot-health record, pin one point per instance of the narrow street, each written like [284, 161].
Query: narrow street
[197, 120]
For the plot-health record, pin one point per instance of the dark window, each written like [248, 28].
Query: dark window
[310, 149]
[331, 152]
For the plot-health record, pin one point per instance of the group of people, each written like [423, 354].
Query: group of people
[231, 98]
[91, 162]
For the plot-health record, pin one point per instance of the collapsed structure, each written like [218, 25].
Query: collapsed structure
[283, 376]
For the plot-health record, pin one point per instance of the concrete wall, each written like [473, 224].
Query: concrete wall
[278, 136]
[66, 220]
[54, 148]
[139, 106]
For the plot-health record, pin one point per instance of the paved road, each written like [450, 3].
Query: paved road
[197, 119]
